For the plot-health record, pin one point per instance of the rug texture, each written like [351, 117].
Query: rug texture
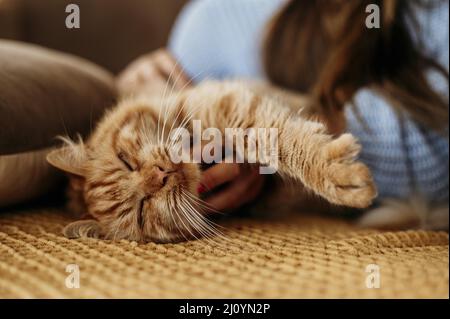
[293, 257]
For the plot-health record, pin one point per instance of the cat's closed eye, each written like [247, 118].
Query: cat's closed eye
[124, 160]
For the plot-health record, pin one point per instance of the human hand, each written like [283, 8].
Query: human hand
[155, 70]
[245, 184]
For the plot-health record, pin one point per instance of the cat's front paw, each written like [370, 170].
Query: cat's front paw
[83, 229]
[346, 181]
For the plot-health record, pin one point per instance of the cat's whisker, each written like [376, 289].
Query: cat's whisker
[206, 209]
[216, 226]
[206, 68]
[174, 225]
[209, 233]
[171, 93]
[186, 215]
[189, 115]
[198, 225]
[166, 115]
[179, 93]
[209, 228]
[159, 133]
[172, 209]
[185, 227]
[194, 225]
[206, 236]
[201, 223]
[181, 125]
[184, 103]
[186, 120]
[201, 202]
[63, 124]
[183, 213]
[162, 99]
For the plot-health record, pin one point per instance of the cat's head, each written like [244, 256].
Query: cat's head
[131, 188]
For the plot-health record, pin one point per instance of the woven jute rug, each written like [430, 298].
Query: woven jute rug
[294, 257]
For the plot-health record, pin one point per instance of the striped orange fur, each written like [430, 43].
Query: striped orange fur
[131, 189]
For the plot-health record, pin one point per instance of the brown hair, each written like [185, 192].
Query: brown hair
[324, 48]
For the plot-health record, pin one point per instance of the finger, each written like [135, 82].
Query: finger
[239, 192]
[218, 175]
[157, 68]
[148, 71]
[140, 81]
[254, 188]
[143, 68]
[235, 195]
[138, 72]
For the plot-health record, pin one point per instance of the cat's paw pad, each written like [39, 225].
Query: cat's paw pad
[347, 182]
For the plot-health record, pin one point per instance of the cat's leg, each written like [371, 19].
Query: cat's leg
[324, 164]
[87, 228]
[306, 152]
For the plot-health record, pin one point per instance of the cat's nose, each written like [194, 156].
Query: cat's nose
[155, 179]
[161, 175]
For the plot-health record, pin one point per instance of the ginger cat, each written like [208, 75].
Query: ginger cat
[124, 179]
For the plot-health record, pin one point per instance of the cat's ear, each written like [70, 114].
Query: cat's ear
[83, 228]
[70, 159]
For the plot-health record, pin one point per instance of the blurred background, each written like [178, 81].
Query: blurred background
[112, 33]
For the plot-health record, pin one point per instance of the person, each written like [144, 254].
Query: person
[390, 83]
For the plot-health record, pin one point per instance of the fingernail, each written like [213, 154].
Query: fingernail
[201, 189]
